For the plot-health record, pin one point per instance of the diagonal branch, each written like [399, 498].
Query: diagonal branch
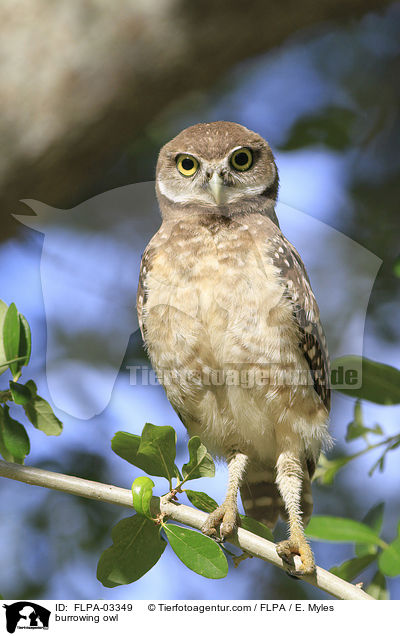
[248, 542]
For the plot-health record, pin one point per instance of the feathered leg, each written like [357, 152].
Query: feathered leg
[226, 515]
[289, 479]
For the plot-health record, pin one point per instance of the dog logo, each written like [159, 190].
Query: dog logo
[26, 615]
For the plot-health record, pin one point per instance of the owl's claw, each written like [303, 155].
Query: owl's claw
[226, 517]
[288, 549]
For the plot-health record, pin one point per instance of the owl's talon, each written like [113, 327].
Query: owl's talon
[288, 549]
[225, 517]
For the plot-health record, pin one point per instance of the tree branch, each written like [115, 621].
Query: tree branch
[248, 542]
[78, 80]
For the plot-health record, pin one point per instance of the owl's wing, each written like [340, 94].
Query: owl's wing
[142, 292]
[306, 313]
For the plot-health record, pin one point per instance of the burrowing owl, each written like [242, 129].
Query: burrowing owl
[232, 326]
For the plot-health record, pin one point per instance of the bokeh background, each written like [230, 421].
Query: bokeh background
[89, 94]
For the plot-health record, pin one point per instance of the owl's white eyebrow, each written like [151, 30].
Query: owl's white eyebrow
[234, 149]
[188, 154]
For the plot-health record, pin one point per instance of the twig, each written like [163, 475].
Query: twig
[248, 542]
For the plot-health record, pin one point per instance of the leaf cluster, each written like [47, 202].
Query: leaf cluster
[15, 353]
[369, 547]
[140, 540]
[381, 385]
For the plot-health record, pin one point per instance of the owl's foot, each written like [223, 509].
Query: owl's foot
[288, 549]
[226, 517]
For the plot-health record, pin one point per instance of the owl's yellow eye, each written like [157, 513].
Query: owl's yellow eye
[187, 165]
[242, 159]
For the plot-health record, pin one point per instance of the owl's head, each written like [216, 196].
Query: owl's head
[219, 165]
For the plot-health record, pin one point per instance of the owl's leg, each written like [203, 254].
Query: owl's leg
[289, 480]
[226, 515]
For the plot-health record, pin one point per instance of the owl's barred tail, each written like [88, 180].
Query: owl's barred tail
[260, 497]
[262, 501]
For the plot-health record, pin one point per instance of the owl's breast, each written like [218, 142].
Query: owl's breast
[215, 316]
[219, 285]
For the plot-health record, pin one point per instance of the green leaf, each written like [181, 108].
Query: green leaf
[341, 530]
[3, 357]
[32, 387]
[352, 568]
[142, 491]
[356, 428]
[158, 450]
[14, 328]
[198, 552]
[373, 519]
[380, 382]
[40, 413]
[154, 452]
[389, 559]
[11, 338]
[200, 462]
[126, 445]
[3, 450]
[395, 445]
[331, 126]
[20, 393]
[380, 462]
[137, 546]
[377, 588]
[201, 501]
[14, 436]
[376, 430]
[327, 468]
[247, 523]
[25, 343]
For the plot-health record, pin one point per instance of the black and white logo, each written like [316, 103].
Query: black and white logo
[26, 615]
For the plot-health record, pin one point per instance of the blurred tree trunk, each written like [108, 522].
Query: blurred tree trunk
[79, 78]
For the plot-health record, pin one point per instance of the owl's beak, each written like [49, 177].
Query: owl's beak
[216, 185]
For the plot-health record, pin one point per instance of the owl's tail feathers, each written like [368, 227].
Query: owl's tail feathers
[260, 497]
[262, 500]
